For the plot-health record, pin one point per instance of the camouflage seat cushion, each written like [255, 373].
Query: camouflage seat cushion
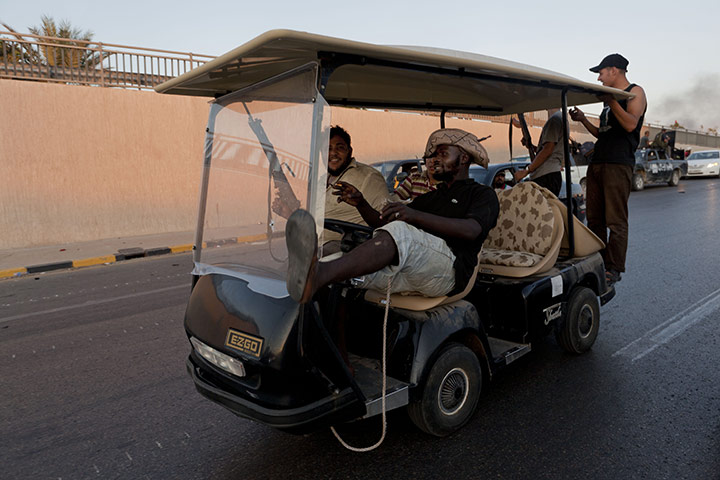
[507, 258]
[523, 234]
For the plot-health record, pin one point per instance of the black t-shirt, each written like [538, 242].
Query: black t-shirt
[463, 199]
[614, 143]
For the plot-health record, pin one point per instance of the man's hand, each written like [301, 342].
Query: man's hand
[605, 97]
[347, 193]
[397, 211]
[284, 206]
[577, 115]
[520, 174]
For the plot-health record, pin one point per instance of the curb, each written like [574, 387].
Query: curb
[130, 253]
[121, 255]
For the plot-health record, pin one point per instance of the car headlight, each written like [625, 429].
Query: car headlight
[712, 165]
[219, 359]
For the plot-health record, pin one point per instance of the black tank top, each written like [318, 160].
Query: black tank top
[614, 143]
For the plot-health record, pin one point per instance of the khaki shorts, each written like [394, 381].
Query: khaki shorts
[425, 263]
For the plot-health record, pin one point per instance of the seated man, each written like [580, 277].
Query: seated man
[418, 183]
[429, 246]
[343, 167]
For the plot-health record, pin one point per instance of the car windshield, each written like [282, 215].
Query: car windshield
[704, 155]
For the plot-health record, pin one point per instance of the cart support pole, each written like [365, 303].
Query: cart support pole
[202, 201]
[568, 177]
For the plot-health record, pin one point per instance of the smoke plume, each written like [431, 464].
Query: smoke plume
[696, 107]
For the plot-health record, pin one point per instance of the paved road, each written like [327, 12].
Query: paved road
[94, 383]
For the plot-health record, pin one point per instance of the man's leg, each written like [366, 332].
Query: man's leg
[306, 274]
[618, 182]
[551, 181]
[595, 202]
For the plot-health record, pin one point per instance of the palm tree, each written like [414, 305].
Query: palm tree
[65, 57]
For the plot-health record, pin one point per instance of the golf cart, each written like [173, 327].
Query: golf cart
[267, 358]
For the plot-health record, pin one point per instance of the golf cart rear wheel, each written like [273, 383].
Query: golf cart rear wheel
[675, 179]
[451, 392]
[638, 182]
[580, 329]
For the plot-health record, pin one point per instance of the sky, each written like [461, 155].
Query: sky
[672, 46]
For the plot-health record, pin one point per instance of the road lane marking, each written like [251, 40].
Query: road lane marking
[671, 328]
[91, 303]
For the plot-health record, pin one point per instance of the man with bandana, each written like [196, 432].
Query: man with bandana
[428, 246]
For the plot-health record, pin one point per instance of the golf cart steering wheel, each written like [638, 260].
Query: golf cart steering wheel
[353, 234]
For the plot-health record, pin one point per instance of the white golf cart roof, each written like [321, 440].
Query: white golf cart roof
[366, 75]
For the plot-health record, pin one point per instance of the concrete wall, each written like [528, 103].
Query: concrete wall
[85, 163]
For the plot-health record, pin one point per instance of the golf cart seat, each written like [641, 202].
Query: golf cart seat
[416, 302]
[528, 234]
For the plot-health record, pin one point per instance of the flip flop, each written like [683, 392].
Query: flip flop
[301, 240]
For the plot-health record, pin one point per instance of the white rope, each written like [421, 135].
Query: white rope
[384, 383]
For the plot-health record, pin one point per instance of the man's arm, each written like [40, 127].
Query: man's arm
[352, 196]
[467, 229]
[540, 158]
[578, 115]
[635, 107]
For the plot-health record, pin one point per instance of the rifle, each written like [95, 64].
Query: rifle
[526, 136]
[285, 194]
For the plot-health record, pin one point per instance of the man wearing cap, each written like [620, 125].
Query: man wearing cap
[610, 172]
[428, 246]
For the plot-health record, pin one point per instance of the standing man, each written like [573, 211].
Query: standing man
[609, 174]
[546, 168]
[644, 140]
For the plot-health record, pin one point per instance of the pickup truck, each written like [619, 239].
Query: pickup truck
[654, 166]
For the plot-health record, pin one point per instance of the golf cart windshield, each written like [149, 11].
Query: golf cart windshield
[265, 156]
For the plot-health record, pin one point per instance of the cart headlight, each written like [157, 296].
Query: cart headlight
[218, 359]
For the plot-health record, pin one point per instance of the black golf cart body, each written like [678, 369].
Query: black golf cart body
[265, 357]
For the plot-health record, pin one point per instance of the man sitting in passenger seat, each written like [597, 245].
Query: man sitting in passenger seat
[342, 167]
[429, 246]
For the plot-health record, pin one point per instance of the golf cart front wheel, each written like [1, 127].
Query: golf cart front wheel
[451, 392]
[582, 323]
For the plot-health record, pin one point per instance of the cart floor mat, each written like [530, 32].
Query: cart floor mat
[368, 375]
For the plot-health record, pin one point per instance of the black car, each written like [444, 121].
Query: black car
[654, 166]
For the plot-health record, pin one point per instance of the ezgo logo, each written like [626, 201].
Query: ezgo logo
[244, 342]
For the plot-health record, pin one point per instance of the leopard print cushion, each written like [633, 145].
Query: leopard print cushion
[507, 258]
[525, 223]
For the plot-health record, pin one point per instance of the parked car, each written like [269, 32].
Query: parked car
[705, 163]
[486, 176]
[653, 166]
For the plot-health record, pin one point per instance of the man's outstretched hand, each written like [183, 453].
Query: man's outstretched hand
[347, 193]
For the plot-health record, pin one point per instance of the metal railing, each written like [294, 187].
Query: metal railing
[78, 62]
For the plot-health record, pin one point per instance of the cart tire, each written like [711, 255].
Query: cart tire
[675, 178]
[451, 392]
[582, 323]
[638, 182]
